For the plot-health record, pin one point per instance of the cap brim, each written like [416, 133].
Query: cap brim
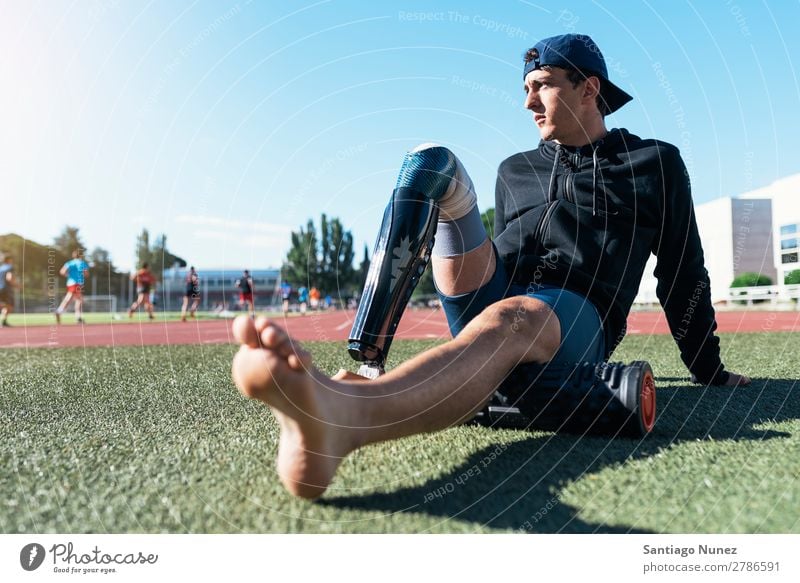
[613, 96]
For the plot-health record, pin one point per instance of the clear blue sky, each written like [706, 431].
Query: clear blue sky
[226, 125]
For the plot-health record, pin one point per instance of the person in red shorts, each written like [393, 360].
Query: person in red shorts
[246, 290]
[75, 270]
[145, 280]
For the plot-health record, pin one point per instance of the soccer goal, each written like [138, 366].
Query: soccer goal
[100, 304]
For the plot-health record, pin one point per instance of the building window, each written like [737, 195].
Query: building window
[789, 258]
[789, 243]
[788, 229]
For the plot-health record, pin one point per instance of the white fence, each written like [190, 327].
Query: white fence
[764, 293]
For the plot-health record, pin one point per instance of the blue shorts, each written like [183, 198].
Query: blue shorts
[582, 337]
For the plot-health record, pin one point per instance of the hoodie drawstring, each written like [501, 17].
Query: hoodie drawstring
[550, 191]
[561, 156]
[594, 181]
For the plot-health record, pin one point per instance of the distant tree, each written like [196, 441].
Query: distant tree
[792, 278]
[425, 286]
[336, 269]
[36, 267]
[68, 241]
[143, 253]
[301, 261]
[751, 280]
[104, 275]
[161, 258]
[325, 262]
[100, 260]
[363, 268]
[488, 222]
[156, 255]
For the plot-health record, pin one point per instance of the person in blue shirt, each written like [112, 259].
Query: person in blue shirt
[7, 285]
[286, 294]
[302, 298]
[76, 270]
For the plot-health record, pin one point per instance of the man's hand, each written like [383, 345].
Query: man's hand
[734, 380]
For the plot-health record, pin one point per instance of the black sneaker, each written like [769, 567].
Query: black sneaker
[605, 398]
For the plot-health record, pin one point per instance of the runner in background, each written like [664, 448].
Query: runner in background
[286, 294]
[7, 284]
[314, 297]
[192, 294]
[145, 280]
[75, 270]
[246, 291]
[302, 298]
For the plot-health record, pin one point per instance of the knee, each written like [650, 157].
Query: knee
[428, 168]
[526, 324]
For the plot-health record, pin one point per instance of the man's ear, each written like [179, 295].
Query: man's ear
[591, 89]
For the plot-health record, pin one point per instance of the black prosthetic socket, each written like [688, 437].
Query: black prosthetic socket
[606, 398]
[401, 254]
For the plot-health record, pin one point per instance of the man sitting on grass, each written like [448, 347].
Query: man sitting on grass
[576, 220]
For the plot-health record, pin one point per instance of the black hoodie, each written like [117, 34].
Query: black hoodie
[587, 218]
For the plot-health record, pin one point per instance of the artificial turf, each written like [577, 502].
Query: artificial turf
[157, 439]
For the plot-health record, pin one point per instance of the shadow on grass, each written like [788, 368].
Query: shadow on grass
[517, 486]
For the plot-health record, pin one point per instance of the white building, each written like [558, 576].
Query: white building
[785, 195]
[756, 232]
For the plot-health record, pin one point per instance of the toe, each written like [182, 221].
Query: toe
[273, 337]
[245, 332]
[299, 360]
[261, 323]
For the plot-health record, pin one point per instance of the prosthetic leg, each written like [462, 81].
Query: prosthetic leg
[401, 253]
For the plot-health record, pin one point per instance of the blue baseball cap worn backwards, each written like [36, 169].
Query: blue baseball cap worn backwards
[577, 51]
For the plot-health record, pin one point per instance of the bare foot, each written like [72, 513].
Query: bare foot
[316, 429]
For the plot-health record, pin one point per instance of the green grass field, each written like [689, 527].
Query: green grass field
[157, 439]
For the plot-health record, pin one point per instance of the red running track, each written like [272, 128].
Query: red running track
[334, 325]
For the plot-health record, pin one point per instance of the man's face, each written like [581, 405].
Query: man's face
[558, 107]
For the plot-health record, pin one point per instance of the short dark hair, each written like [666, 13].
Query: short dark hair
[574, 76]
[145, 265]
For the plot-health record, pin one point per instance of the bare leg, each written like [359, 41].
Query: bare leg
[322, 420]
[64, 304]
[183, 308]
[79, 308]
[139, 301]
[464, 273]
